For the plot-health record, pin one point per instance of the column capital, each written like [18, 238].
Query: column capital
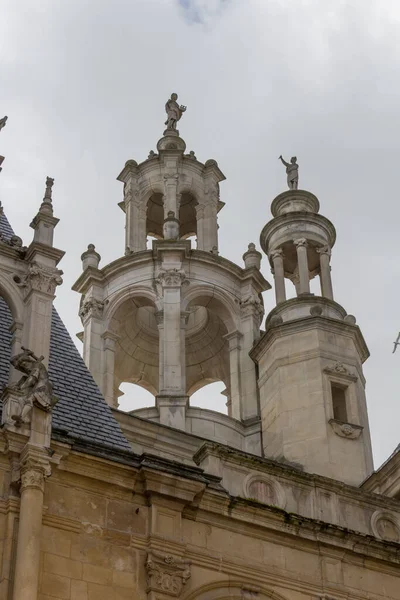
[233, 338]
[170, 277]
[276, 254]
[300, 242]
[41, 279]
[34, 468]
[325, 250]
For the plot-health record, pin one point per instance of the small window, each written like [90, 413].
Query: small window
[339, 402]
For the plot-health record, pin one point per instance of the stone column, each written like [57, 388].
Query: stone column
[34, 468]
[170, 198]
[233, 339]
[172, 399]
[135, 230]
[91, 313]
[304, 277]
[279, 275]
[210, 228]
[200, 226]
[325, 272]
[109, 343]
[252, 312]
[39, 286]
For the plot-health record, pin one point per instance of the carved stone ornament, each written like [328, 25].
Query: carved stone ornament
[166, 574]
[252, 305]
[338, 369]
[15, 242]
[324, 250]
[265, 489]
[386, 526]
[346, 430]
[170, 278]
[33, 389]
[300, 242]
[91, 308]
[41, 279]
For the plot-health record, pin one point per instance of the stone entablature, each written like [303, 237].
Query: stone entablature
[299, 493]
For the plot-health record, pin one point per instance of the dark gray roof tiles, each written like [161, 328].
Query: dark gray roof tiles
[81, 411]
[5, 228]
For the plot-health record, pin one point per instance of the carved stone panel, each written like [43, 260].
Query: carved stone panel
[264, 489]
[386, 526]
[166, 575]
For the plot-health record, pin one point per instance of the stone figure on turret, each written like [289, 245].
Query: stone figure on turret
[174, 111]
[292, 170]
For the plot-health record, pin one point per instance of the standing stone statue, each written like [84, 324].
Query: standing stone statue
[34, 388]
[292, 170]
[174, 111]
[3, 122]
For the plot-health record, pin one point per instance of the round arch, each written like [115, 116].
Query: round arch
[233, 590]
[12, 295]
[142, 296]
[214, 299]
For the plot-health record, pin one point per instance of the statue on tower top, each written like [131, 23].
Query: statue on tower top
[174, 111]
[3, 122]
[292, 170]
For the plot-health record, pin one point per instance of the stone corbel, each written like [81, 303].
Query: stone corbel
[346, 430]
[166, 575]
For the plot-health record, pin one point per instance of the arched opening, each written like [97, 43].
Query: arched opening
[133, 396]
[155, 216]
[207, 351]
[211, 396]
[187, 216]
[136, 354]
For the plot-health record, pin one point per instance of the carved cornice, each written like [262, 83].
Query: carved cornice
[166, 574]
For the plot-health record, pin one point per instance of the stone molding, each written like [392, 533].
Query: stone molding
[339, 370]
[91, 308]
[324, 250]
[166, 575]
[346, 430]
[41, 279]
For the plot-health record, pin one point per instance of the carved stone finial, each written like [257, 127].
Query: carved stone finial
[174, 112]
[90, 258]
[3, 122]
[292, 170]
[46, 205]
[34, 388]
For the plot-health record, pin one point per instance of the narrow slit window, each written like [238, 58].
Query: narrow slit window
[339, 402]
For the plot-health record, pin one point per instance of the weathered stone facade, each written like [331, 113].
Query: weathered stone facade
[276, 500]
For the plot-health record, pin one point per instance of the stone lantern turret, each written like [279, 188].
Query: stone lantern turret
[312, 387]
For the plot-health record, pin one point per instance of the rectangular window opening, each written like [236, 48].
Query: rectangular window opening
[339, 402]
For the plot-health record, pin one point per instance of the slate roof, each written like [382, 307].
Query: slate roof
[81, 411]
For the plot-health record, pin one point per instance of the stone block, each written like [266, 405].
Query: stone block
[79, 590]
[97, 574]
[59, 565]
[56, 586]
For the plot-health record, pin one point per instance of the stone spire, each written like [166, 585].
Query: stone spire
[44, 222]
[47, 206]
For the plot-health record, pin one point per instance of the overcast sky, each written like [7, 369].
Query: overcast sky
[84, 84]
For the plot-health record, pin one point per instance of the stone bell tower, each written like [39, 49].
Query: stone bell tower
[176, 316]
[311, 382]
